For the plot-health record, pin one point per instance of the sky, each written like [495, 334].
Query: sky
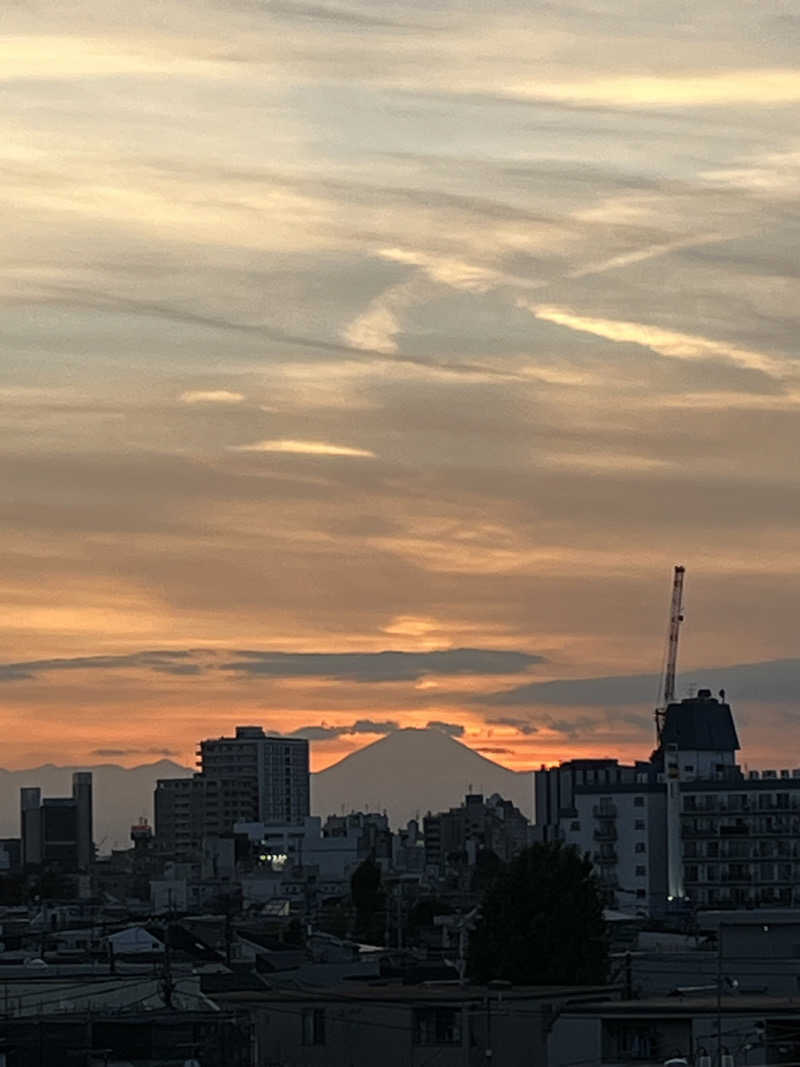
[368, 365]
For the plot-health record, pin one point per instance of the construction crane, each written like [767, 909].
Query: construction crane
[675, 619]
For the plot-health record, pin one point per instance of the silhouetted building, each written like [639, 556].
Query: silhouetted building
[57, 831]
[492, 825]
[189, 809]
[279, 766]
[247, 778]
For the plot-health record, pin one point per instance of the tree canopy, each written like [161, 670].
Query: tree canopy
[542, 922]
[366, 891]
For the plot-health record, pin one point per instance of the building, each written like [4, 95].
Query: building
[492, 825]
[189, 809]
[279, 766]
[736, 835]
[246, 778]
[700, 1029]
[57, 831]
[404, 1026]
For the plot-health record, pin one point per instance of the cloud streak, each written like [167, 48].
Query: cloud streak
[305, 448]
[362, 667]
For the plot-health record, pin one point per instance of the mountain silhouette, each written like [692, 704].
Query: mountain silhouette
[410, 772]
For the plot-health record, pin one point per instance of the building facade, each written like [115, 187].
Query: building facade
[738, 833]
[479, 824]
[247, 778]
[279, 766]
[57, 831]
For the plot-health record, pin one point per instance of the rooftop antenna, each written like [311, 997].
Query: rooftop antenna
[667, 694]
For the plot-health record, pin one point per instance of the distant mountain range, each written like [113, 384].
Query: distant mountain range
[406, 774]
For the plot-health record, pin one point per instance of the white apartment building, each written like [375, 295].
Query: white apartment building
[738, 834]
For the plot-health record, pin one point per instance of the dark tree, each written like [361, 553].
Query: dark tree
[488, 867]
[542, 922]
[369, 900]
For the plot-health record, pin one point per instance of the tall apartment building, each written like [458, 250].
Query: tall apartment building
[248, 778]
[738, 833]
[57, 831]
[278, 764]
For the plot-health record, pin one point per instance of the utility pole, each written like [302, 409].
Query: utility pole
[489, 1050]
[167, 982]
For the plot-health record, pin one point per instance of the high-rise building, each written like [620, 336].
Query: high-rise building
[189, 809]
[278, 764]
[248, 778]
[737, 834]
[57, 831]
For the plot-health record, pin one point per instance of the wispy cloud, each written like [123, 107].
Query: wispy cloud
[452, 729]
[325, 732]
[774, 681]
[118, 752]
[304, 448]
[353, 666]
[669, 343]
[388, 666]
[210, 396]
[522, 726]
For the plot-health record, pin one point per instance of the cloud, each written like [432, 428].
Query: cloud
[375, 329]
[387, 666]
[774, 681]
[304, 448]
[668, 343]
[493, 750]
[768, 87]
[522, 726]
[210, 396]
[167, 662]
[113, 752]
[323, 732]
[452, 729]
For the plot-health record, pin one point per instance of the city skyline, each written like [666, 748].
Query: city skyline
[334, 329]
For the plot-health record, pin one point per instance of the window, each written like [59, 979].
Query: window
[313, 1026]
[574, 826]
[638, 802]
[641, 872]
[640, 893]
[639, 847]
[640, 824]
[437, 1026]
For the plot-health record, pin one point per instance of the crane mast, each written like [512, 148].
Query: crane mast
[670, 667]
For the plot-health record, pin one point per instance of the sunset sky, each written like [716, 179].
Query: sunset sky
[441, 329]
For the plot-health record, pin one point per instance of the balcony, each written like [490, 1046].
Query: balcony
[606, 859]
[606, 833]
[604, 811]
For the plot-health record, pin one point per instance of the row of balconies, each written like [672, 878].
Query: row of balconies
[756, 852]
[710, 828]
[746, 805]
[743, 877]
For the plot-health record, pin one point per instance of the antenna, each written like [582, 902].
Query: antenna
[675, 619]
